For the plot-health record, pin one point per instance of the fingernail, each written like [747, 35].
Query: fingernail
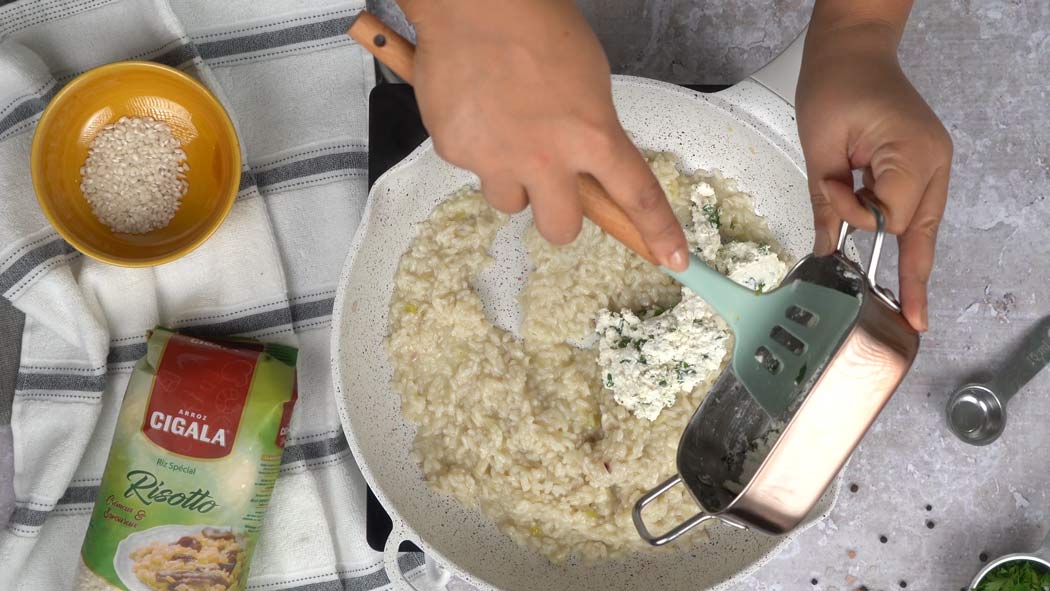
[678, 260]
[925, 321]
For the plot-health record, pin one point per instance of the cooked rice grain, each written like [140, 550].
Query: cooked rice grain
[522, 428]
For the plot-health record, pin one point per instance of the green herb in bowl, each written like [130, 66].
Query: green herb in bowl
[1016, 575]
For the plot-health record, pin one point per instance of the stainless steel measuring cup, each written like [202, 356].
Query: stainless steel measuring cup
[977, 412]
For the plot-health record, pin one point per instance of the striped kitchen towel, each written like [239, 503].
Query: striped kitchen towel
[297, 90]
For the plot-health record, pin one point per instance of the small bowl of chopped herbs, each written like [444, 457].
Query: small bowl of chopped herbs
[1014, 572]
[135, 163]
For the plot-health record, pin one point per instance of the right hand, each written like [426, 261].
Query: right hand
[520, 94]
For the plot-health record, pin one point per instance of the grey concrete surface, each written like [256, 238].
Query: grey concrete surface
[983, 67]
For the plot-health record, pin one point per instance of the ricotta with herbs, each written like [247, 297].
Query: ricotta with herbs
[648, 358]
[752, 265]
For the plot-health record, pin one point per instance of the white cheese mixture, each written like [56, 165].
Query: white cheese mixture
[752, 265]
[648, 360]
[702, 230]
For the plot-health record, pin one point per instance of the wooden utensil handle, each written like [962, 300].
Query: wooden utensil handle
[398, 54]
[384, 43]
[599, 207]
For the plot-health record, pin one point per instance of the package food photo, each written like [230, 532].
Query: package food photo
[195, 456]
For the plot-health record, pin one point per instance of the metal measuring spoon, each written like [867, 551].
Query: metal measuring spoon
[977, 412]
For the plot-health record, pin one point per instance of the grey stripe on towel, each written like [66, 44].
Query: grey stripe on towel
[297, 312]
[409, 561]
[60, 381]
[79, 494]
[315, 449]
[30, 517]
[28, 108]
[373, 580]
[127, 353]
[278, 38]
[313, 166]
[177, 56]
[86, 494]
[31, 260]
[75, 495]
[242, 325]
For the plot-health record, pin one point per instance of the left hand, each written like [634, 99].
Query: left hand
[857, 111]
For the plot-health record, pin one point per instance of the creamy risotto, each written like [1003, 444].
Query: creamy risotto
[529, 429]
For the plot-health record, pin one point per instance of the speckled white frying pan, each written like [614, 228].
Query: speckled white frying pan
[748, 132]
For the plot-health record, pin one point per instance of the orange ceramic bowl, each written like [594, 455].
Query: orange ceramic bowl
[135, 89]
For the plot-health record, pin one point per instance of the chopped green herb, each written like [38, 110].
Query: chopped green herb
[643, 360]
[608, 380]
[623, 342]
[683, 369]
[761, 287]
[712, 215]
[698, 322]
[663, 382]
[1016, 576]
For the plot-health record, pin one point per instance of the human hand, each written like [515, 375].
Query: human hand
[857, 111]
[520, 94]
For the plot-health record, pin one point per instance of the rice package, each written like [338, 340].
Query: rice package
[195, 457]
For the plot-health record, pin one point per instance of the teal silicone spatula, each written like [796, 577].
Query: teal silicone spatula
[782, 336]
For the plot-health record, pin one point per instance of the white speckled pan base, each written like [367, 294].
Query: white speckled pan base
[747, 133]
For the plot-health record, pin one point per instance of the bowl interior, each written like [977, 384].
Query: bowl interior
[135, 89]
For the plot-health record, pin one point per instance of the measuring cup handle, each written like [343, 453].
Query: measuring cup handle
[1025, 362]
[865, 197]
[675, 532]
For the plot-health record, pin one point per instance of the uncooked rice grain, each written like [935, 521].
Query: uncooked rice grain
[135, 175]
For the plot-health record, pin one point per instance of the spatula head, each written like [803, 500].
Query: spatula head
[788, 339]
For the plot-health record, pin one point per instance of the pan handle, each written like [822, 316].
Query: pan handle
[781, 74]
[675, 532]
[433, 577]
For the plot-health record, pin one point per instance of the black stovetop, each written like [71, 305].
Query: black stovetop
[394, 130]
